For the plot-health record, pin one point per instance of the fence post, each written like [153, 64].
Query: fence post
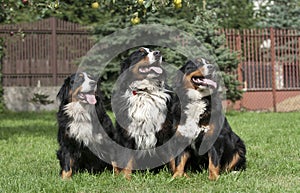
[273, 61]
[239, 69]
[53, 48]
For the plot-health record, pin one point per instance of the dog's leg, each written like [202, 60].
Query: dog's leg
[179, 165]
[235, 159]
[116, 170]
[238, 159]
[172, 164]
[128, 169]
[213, 165]
[67, 170]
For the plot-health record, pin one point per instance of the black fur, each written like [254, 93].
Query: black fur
[227, 143]
[74, 156]
[122, 106]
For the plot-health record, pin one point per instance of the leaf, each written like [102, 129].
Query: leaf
[148, 3]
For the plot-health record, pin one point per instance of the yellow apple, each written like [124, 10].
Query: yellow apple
[135, 20]
[56, 4]
[95, 5]
[178, 6]
[141, 2]
[177, 2]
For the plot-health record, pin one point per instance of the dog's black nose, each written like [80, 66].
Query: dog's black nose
[156, 53]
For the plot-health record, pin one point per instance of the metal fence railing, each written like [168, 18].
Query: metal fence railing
[269, 66]
[42, 52]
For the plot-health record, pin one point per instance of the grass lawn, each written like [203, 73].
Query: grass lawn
[28, 162]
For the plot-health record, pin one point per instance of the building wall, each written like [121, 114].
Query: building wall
[20, 98]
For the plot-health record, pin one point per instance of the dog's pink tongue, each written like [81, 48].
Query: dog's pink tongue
[158, 70]
[91, 99]
[210, 82]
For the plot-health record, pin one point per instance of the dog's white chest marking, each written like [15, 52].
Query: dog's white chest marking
[84, 119]
[190, 128]
[147, 113]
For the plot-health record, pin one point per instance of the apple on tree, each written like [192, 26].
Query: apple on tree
[95, 5]
[135, 20]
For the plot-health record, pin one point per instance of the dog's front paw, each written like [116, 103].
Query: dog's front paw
[180, 174]
[66, 175]
[213, 176]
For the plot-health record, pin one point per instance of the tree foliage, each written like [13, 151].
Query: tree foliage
[109, 16]
[280, 14]
[189, 17]
[14, 11]
[237, 14]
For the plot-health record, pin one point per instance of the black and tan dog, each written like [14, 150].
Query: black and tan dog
[141, 104]
[80, 116]
[198, 117]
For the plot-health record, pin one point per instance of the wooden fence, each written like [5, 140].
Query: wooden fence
[42, 52]
[269, 67]
[46, 51]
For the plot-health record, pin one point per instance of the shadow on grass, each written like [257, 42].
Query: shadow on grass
[27, 123]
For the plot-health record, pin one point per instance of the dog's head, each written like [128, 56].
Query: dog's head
[144, 63]
[198, 75]
[79, 87]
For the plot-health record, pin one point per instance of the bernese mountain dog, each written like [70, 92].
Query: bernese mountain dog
[198, 118]
[142, 107]
[80, 116]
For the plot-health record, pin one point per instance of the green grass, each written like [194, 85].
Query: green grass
[28, 162]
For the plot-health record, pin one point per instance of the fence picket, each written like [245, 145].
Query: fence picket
[40, 56]
[269, 59]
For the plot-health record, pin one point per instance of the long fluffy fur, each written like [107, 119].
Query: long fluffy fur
[76, 133]
[143, 119]
[198, 117]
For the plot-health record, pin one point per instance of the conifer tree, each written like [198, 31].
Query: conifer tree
[188, 16]
[110, 16]
[280, 14]
[237, 14]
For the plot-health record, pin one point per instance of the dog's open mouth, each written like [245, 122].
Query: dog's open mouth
[88, 97]
[149, 69]
[134, 92]
[201, 81]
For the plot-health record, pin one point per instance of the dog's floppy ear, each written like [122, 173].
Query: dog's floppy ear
[125, 65]
[99, 93]
[63, 93]
[177, 80]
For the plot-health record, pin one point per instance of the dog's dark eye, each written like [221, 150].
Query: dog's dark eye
[143, 53]
[78, 79]
[190, 68]
[72, 82]
[93, 78]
